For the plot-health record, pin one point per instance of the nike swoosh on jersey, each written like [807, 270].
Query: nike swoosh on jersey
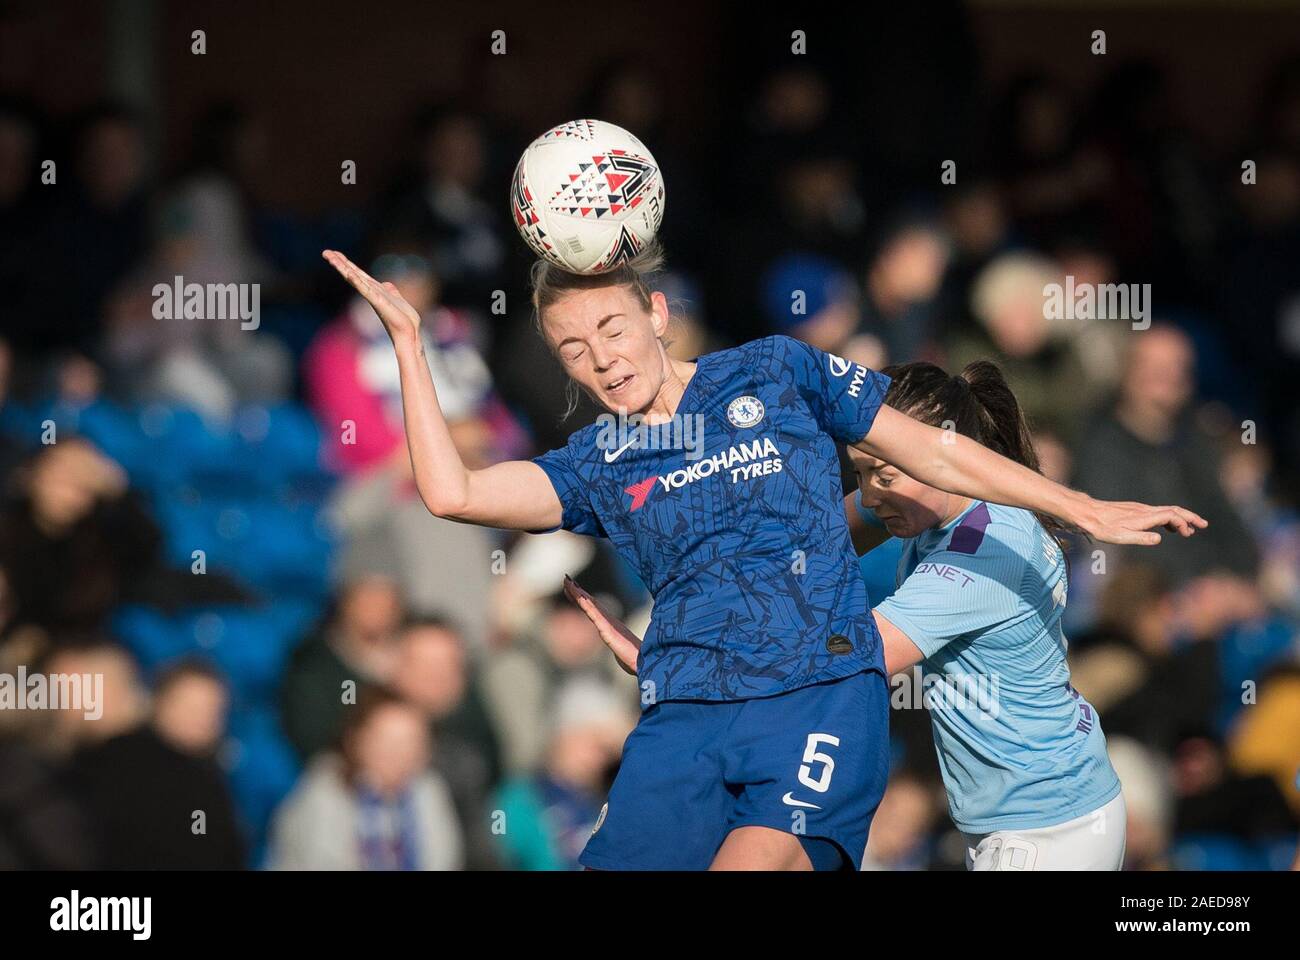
[611, 456]
[789, 799]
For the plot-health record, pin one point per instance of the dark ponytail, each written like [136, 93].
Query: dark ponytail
[977, 403]
[1003, 424]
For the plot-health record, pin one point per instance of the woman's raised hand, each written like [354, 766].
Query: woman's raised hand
[399, 318]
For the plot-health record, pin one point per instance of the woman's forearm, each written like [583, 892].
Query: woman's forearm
[969, 469]
[957, 464]
[440, 474]
[516, 495]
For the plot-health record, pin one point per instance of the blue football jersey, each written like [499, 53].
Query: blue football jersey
[744, 547]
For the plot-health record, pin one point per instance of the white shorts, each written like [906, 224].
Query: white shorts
[1094, 841]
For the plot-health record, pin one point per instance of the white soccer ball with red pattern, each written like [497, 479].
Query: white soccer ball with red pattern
[587, 195]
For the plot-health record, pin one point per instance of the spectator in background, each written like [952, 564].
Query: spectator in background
[191, 700]
[1257, 293]
[24, 241]
[1154, 674]
[1266, 737]
[689, 335]
[75, 543]
[44, 826]
[433, 670]
[433, 674]
[1134, 616]
[819, 203]
[792, 109]
[230, 150]
[375, 805]
[900, 296]
[1155, 205]
[153, 794]
[523, 682]
[1214, 799]
[100, 230]
[210, 363]
[351, 375]
[538, 644]
[814, 299]
[1145, 778]
[631, 91]
[1250, 480]
[1099, 343]
[975, 219]
[1165, 662]
[354, 646]
[1050, 180]
[815, 206]
[1149, 446]
[45, 829]
[1041, 363]
[11, 449]
[459, 229]
[550, 815]
[123, 696]
[532, 575]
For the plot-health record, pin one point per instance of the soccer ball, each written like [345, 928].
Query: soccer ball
[587, 195]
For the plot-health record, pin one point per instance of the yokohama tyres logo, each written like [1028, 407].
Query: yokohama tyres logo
[744, 461]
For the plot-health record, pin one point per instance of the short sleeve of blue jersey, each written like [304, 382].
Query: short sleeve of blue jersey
[569, 486]
[953, 593]
[843, 396]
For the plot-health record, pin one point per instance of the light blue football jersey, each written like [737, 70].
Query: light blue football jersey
[982, 598]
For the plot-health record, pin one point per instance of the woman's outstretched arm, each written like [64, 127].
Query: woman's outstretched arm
[960, 465]
[515, 495]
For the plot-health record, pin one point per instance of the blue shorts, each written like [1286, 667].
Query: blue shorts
[812, 761]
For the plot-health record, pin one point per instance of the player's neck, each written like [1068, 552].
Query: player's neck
[956, 507]
[677, 375]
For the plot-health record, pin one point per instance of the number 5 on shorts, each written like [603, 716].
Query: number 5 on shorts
[810, 755]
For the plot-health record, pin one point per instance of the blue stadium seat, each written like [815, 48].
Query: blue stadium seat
[1246, 652]
[284, 442]
[261, 769]
[1210, 851]
[250, 644]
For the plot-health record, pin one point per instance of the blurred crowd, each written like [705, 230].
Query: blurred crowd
[303, 669]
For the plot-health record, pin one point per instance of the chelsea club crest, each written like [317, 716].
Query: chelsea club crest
[745, 411]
